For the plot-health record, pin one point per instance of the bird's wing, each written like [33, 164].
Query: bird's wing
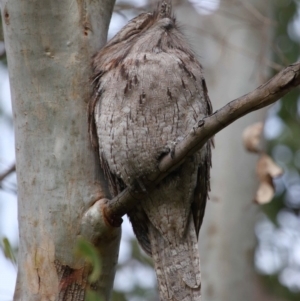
[203, 180]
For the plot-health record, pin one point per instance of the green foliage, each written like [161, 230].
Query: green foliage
[286, 51]
[8, 251]
[276, 289]
[118, 296]
[89, 253]
[92, 296]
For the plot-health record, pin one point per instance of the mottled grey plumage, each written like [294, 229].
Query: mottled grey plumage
[149, 92]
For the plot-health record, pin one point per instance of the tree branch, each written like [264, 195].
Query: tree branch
[7, 172]
[266, 94]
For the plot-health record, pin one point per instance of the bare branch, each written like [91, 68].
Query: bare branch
[266, 94]
[7, 172]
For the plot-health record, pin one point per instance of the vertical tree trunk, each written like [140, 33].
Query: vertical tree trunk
[49, 47]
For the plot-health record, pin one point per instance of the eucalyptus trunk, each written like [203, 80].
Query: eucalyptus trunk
[49, 48]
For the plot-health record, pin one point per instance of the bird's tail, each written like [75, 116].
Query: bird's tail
[177, 265]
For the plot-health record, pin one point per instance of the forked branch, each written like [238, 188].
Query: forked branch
[266, 94]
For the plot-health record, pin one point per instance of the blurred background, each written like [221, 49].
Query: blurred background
[248, 251]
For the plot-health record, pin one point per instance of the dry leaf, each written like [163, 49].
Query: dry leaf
[264, 193]
[251, 137]
[266, 170]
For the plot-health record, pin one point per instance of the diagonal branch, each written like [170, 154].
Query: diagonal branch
[266, 94]
[7, 172]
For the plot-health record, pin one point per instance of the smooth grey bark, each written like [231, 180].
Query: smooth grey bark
[49, 48]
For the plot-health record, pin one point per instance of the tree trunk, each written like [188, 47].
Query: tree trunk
[49, 48]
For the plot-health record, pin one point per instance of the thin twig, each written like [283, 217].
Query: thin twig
[7, 172]
[266, 94]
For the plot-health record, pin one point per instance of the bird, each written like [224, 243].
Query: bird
[148, 93]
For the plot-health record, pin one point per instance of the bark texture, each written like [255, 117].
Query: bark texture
[49, 48]
[161, 94]
[204, 129]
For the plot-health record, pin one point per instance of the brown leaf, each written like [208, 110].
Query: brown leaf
[251, 137]
[266, 170]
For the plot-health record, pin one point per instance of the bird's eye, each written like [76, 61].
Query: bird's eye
[167, 23]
